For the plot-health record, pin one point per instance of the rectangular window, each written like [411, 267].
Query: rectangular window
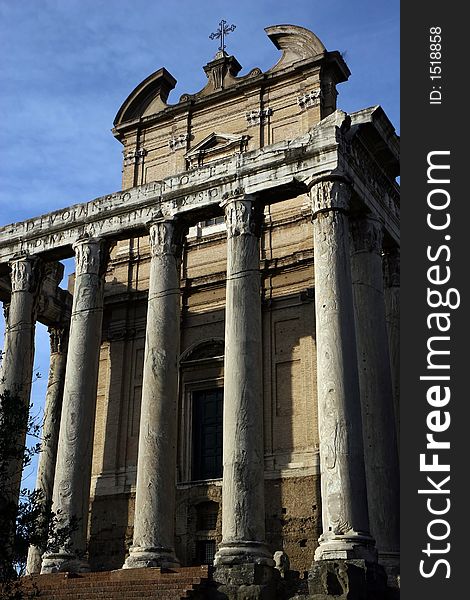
[214, 221]
[207, 433]
[205, 552]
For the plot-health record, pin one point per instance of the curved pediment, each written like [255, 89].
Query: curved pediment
[147, 98]
[296, 43]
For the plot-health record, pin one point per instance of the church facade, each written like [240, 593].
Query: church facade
[224, 364]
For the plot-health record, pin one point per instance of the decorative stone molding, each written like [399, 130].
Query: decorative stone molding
[134, 157]
[374, 177]
[255, 117]
[23, 274]
[6, 312]
[330, 195]
[89, 256]
[309, 99]
[216, 146]
[238, 192]
[58, 337]
[297, 161]
[178, 142]
[163, 238]
[366, 235]
[240, 217]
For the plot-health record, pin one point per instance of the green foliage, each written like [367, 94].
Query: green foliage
[25, 517]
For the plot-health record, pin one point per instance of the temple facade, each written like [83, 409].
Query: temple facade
[224, 363]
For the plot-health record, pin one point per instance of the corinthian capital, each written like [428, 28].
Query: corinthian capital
[164, 237]
[24, 274]
[241, 217]
[91, 256]
[329, 195]
[58, 336]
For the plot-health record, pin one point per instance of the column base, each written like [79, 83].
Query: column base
[64, 563]
[347, 580]
[34, 561]
[351, 546]
[250, 581]
[390, 561]
[243, 553]
[151, 557]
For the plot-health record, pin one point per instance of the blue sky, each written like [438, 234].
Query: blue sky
[67, 65]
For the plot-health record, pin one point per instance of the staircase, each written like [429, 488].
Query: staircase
[126, 584]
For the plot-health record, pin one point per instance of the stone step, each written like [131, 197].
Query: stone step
[126, 584]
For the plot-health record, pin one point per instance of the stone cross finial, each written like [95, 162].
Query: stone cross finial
[221, 32]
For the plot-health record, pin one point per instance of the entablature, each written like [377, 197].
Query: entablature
[273, 173]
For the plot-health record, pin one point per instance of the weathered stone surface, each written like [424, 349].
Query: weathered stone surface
[247, 582]
[16, 378]
[154, 524]
[391, 261]
[243, 528]
[378, 419]
[295, 163]
[347, 580]
[277, 135]
[344, 497]
[50, 429]
[75, 447]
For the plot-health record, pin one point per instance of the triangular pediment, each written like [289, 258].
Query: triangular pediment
[216, 145]
[221, 140]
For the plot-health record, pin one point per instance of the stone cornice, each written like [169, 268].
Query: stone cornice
[272, 173]
[189, 194]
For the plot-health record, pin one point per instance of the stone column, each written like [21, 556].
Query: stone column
[50, 430]
[343, 482]
[375, 383]
[71, 493]
[15, 387]
[243, 527]
[154, 520]
[391, 263]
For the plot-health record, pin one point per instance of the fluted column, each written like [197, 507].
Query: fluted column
[71, 494]
[391, 264]
[243, 528]
[50, 430]
[154, 520]
[343, 482]
[15, 388]
[375, 383]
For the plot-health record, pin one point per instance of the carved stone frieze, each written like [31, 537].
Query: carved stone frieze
[375, 179]
[178, 142]
[309, 99]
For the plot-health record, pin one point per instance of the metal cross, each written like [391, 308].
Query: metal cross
[223, 30]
